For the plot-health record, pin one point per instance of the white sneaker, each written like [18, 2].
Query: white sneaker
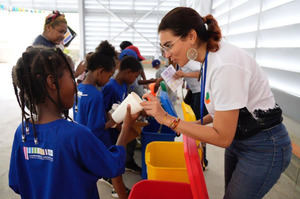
[107, 181]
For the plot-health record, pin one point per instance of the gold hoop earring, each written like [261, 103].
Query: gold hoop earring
[192, 54]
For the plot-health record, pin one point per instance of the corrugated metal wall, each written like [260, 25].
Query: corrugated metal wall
[270, 31]
[118, 20]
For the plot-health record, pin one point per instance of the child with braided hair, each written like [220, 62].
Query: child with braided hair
[52, 157]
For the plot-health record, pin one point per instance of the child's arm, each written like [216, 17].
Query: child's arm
[128, 133]
[96, 157]
[143, 75]
[142, 82]
[180, 73]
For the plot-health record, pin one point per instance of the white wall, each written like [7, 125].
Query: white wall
[202, 6]
[19, 29]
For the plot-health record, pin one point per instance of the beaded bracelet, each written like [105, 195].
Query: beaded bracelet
[174, 123]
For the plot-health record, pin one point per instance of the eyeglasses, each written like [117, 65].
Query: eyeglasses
[168, 46]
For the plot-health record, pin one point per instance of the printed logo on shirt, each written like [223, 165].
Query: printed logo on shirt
[81, 94]
[207, 99]
[38, 153]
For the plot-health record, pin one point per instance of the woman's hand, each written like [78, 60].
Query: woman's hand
[153, 108]
[179, 74]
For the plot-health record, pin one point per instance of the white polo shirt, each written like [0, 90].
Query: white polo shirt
[234, 80]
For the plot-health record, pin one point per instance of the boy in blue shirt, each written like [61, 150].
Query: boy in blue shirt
[115, 91]
[51, 157]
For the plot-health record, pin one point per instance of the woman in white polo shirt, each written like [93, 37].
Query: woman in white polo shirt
[246, 120]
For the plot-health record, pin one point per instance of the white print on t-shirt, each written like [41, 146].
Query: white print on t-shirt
[38, 153]
[81, 94]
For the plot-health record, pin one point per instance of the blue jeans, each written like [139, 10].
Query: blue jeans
[253, 165]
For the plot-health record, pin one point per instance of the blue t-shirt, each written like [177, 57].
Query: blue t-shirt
[66, 163]
[113, 93]
[40, 40]
[90, 111]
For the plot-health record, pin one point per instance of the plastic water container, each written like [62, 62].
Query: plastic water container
[165, 162]
[156, 132]
[148, 137]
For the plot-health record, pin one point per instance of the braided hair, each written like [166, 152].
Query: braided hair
[29, 77]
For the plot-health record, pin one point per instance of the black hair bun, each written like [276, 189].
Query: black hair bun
[106, 48]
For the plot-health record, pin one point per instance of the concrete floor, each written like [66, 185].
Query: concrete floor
[214, 175]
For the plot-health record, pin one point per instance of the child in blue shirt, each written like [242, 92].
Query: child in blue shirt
[115, 91]
[90, 110]
[51, 157]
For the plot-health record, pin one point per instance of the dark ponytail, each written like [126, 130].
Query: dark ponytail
[214, 33]
[182, 20]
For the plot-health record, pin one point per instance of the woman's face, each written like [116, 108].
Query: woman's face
[174, 47]
[56, 34]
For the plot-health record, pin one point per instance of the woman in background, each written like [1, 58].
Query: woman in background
[55, 28]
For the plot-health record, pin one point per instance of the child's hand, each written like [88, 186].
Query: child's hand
[118, 127]
[178, 74]
[110, 122]
[128, 133]
[129, 118]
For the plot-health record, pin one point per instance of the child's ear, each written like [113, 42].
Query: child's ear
[51, 82]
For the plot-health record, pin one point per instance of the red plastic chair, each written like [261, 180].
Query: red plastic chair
[194, 168]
